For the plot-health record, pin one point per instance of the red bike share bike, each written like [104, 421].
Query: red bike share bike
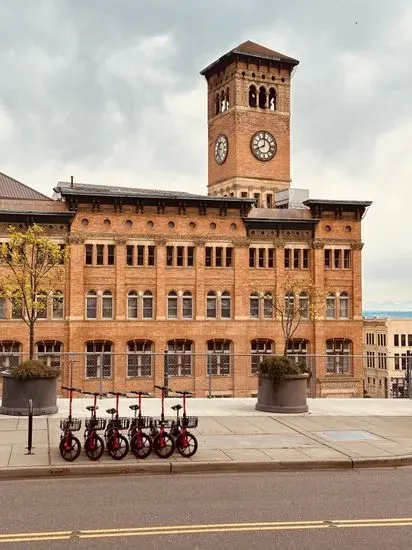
[70, 446]
[141, 443]
[163, 443]
[116, 443]
[93, 442]
[186, 442]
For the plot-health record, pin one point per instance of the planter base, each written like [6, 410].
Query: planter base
[281, 409]
[25, 412]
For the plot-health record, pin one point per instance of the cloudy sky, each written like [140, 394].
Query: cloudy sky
[109, 91]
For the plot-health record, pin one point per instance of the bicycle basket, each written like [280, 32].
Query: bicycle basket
[121, 423]
[72, 424]
[166, 423]
[95, 423]
[189, 421]
[141, 423]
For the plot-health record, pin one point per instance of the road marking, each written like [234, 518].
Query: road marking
[204, 528]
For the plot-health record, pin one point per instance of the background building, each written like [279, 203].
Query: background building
[388, 356]
[161, 284]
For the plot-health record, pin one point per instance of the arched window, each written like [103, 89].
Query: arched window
[289, 304]
[58, 304]
[262, 97]
[139, 358]
[147, 305]
[298, 348]
[272, 99]
[225, 305]
[132, 305]
[304, 305]
[252, 96]
[9, 354]
[227, 99]
[99, 357]
[179, 358]
[91, 305]
[339, 359]
[172, 305]
[344, 305]
[258, 349]
[107, 305]
[254, 302]
[50, 352]
[268, 309]
[187, 310]
[330, 306]
[217, 104]
[41, 305]
[222, 101]
[211, 305]
[219, 357]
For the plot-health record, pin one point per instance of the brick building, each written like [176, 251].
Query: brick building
[163, 280]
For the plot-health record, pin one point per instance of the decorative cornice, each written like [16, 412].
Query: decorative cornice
[357, 245]
[318, 245]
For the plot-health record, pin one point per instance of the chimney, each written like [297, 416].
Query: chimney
[71, 181]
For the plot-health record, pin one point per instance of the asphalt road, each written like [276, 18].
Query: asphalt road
[361, 509]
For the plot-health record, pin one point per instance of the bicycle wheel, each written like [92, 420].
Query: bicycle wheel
[117, 446]
[69, 447]
[186, 444]
[94, 446]
[164, 445]
[141, 445]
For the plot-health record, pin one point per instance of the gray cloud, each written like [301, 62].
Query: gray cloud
[112, 91]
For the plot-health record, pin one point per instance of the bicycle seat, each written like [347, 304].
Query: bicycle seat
[110, 411]
[91, 408]
[134, 407]
[177, 407]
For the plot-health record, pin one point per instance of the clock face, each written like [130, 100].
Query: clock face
[221, 148]
[263, 145]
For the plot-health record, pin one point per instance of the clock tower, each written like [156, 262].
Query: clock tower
[249, 123]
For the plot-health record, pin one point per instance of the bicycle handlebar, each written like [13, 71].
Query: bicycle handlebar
[140, 392]
[91, 393]
[184, 392]
[116, 393]
[71, 389]
[163, 388]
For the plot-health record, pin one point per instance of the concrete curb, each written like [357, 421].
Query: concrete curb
[155, 468]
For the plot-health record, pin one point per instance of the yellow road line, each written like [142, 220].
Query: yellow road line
[204, 528]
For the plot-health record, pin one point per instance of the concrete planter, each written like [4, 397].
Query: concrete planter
[16, 395]
[288, 396]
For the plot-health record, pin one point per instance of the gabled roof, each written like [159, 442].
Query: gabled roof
[13, 189]
[250, 49]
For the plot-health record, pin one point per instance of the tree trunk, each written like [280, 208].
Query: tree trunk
[31, 341]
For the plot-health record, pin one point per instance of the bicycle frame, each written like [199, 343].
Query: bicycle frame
[68, 433]
[137, 430]
[114, 428]
[162, 414]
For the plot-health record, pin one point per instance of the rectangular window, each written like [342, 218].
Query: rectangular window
[219, 256]
[261, 257]
[58, 305]
[409, 340]
[16, 309]
[208, 256]
[62, 249]
[190, 256]
[225, 307]
[268, 307]
[337, 258]
[397, 361]
[254, 307]
[110, 254]
[229, 256]
[99, 254]
[169, 256]
[91, 307]
[147, 307]
[269, 200]
[151, 258]
[288, 258]
[296, 258]
[2, 308]
[346, 259]
[243, 194]
[305, 258]
[187, 307]
[328, 258]
[180, 257]
[257, 197]
[129, 254]
[403, 340]
[396, 339]
[271, 257]
[172, 307]
[89, 254]
[140, 255]
[252, 257]
[107, 307]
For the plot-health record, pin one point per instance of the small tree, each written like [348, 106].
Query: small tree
[295, 301]
[34, 269]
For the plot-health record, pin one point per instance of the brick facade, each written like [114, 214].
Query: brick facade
[138, 259]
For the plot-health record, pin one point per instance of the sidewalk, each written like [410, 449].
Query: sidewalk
[233, 436]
